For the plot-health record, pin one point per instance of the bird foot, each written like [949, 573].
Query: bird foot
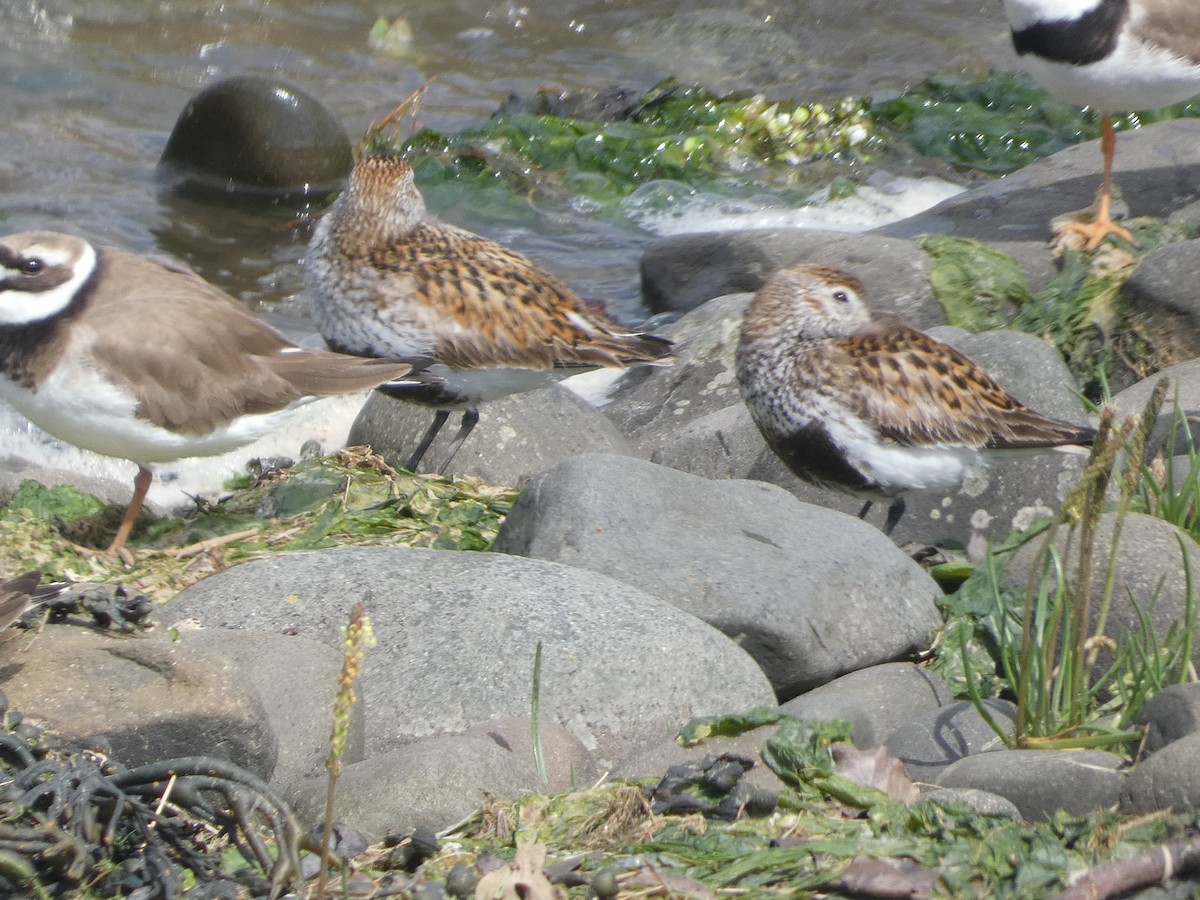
[1086, 229]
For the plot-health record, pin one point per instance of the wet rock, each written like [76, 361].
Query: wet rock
[1168, 779]
[1171, 714]
[457, 633]
[876, 701]
[515, 437]
[257, 136]
[680, 273]
[1150, 572]
[774, 574]
[1155, 169]
[149, 698]
[929, 744]
[1040, 782]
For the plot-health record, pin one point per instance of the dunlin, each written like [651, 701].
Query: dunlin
[138, 359]
[1114, 56]
[385, 279]
[872, 406]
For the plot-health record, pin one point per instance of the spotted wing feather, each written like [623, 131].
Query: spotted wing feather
[505, 310]
[235, 363]
[919, 392]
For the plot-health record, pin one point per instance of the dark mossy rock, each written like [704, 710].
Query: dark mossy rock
[256, 136]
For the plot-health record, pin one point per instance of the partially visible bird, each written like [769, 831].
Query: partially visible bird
[20, 594]
[872, 406]
[385, 279]
[138, 359]
[1114, 56]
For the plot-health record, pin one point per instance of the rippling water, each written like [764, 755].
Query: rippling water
[89, 92]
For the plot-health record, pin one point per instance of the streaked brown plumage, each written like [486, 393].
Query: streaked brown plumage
[384, 279]
[872, 405]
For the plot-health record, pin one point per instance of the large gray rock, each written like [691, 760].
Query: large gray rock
[1168, 779]
[256, 135]
[809, 593]
[150, 698]
[1041, 782]
[515, 437]
[928, 744]
[1171, 714]
[682, 272]
[1150, 574]
[1155, 168]
[457, 634]
[301, 721]
[876, 701]
[433, 782]
[1180, 411]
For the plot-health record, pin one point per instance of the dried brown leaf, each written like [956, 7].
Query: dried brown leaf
[523, 879]
[874, 768]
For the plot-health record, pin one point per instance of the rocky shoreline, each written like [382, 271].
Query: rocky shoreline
[668, 564]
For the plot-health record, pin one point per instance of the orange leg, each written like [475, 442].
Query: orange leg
[141, 484]
[1102, 225]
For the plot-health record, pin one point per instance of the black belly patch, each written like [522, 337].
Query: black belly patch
[812, 454]
[1076, 42]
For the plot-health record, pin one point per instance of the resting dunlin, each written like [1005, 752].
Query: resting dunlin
[384, 279]
[872, 406]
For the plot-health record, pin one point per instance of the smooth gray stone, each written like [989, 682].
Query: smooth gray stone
[1166, 779]
[434, 782]
[680, 273]
[149, 697]
[876, 701]
[1161, 295]
[928, 744]
[273, 664]
[255, 135]
[1155, 169]
[809, 593]
[515, 437]
[1041, 782]
[1171, 714]
[457, 633]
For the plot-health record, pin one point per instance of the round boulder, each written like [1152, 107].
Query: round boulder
[259, 136]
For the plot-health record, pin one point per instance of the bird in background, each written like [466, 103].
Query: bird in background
[139, 359]
[870, 405]
[384, 278]
[1113, 56]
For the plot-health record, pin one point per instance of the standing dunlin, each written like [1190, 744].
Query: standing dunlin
[384, 279]
[130, 357]
[872, 406]
[1114, 56]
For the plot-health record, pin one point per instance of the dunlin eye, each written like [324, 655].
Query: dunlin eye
[32, 266]
[841, 296]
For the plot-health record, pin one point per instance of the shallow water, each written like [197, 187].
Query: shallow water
[90, 91]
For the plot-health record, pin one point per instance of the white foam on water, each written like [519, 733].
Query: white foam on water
[666, 208]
